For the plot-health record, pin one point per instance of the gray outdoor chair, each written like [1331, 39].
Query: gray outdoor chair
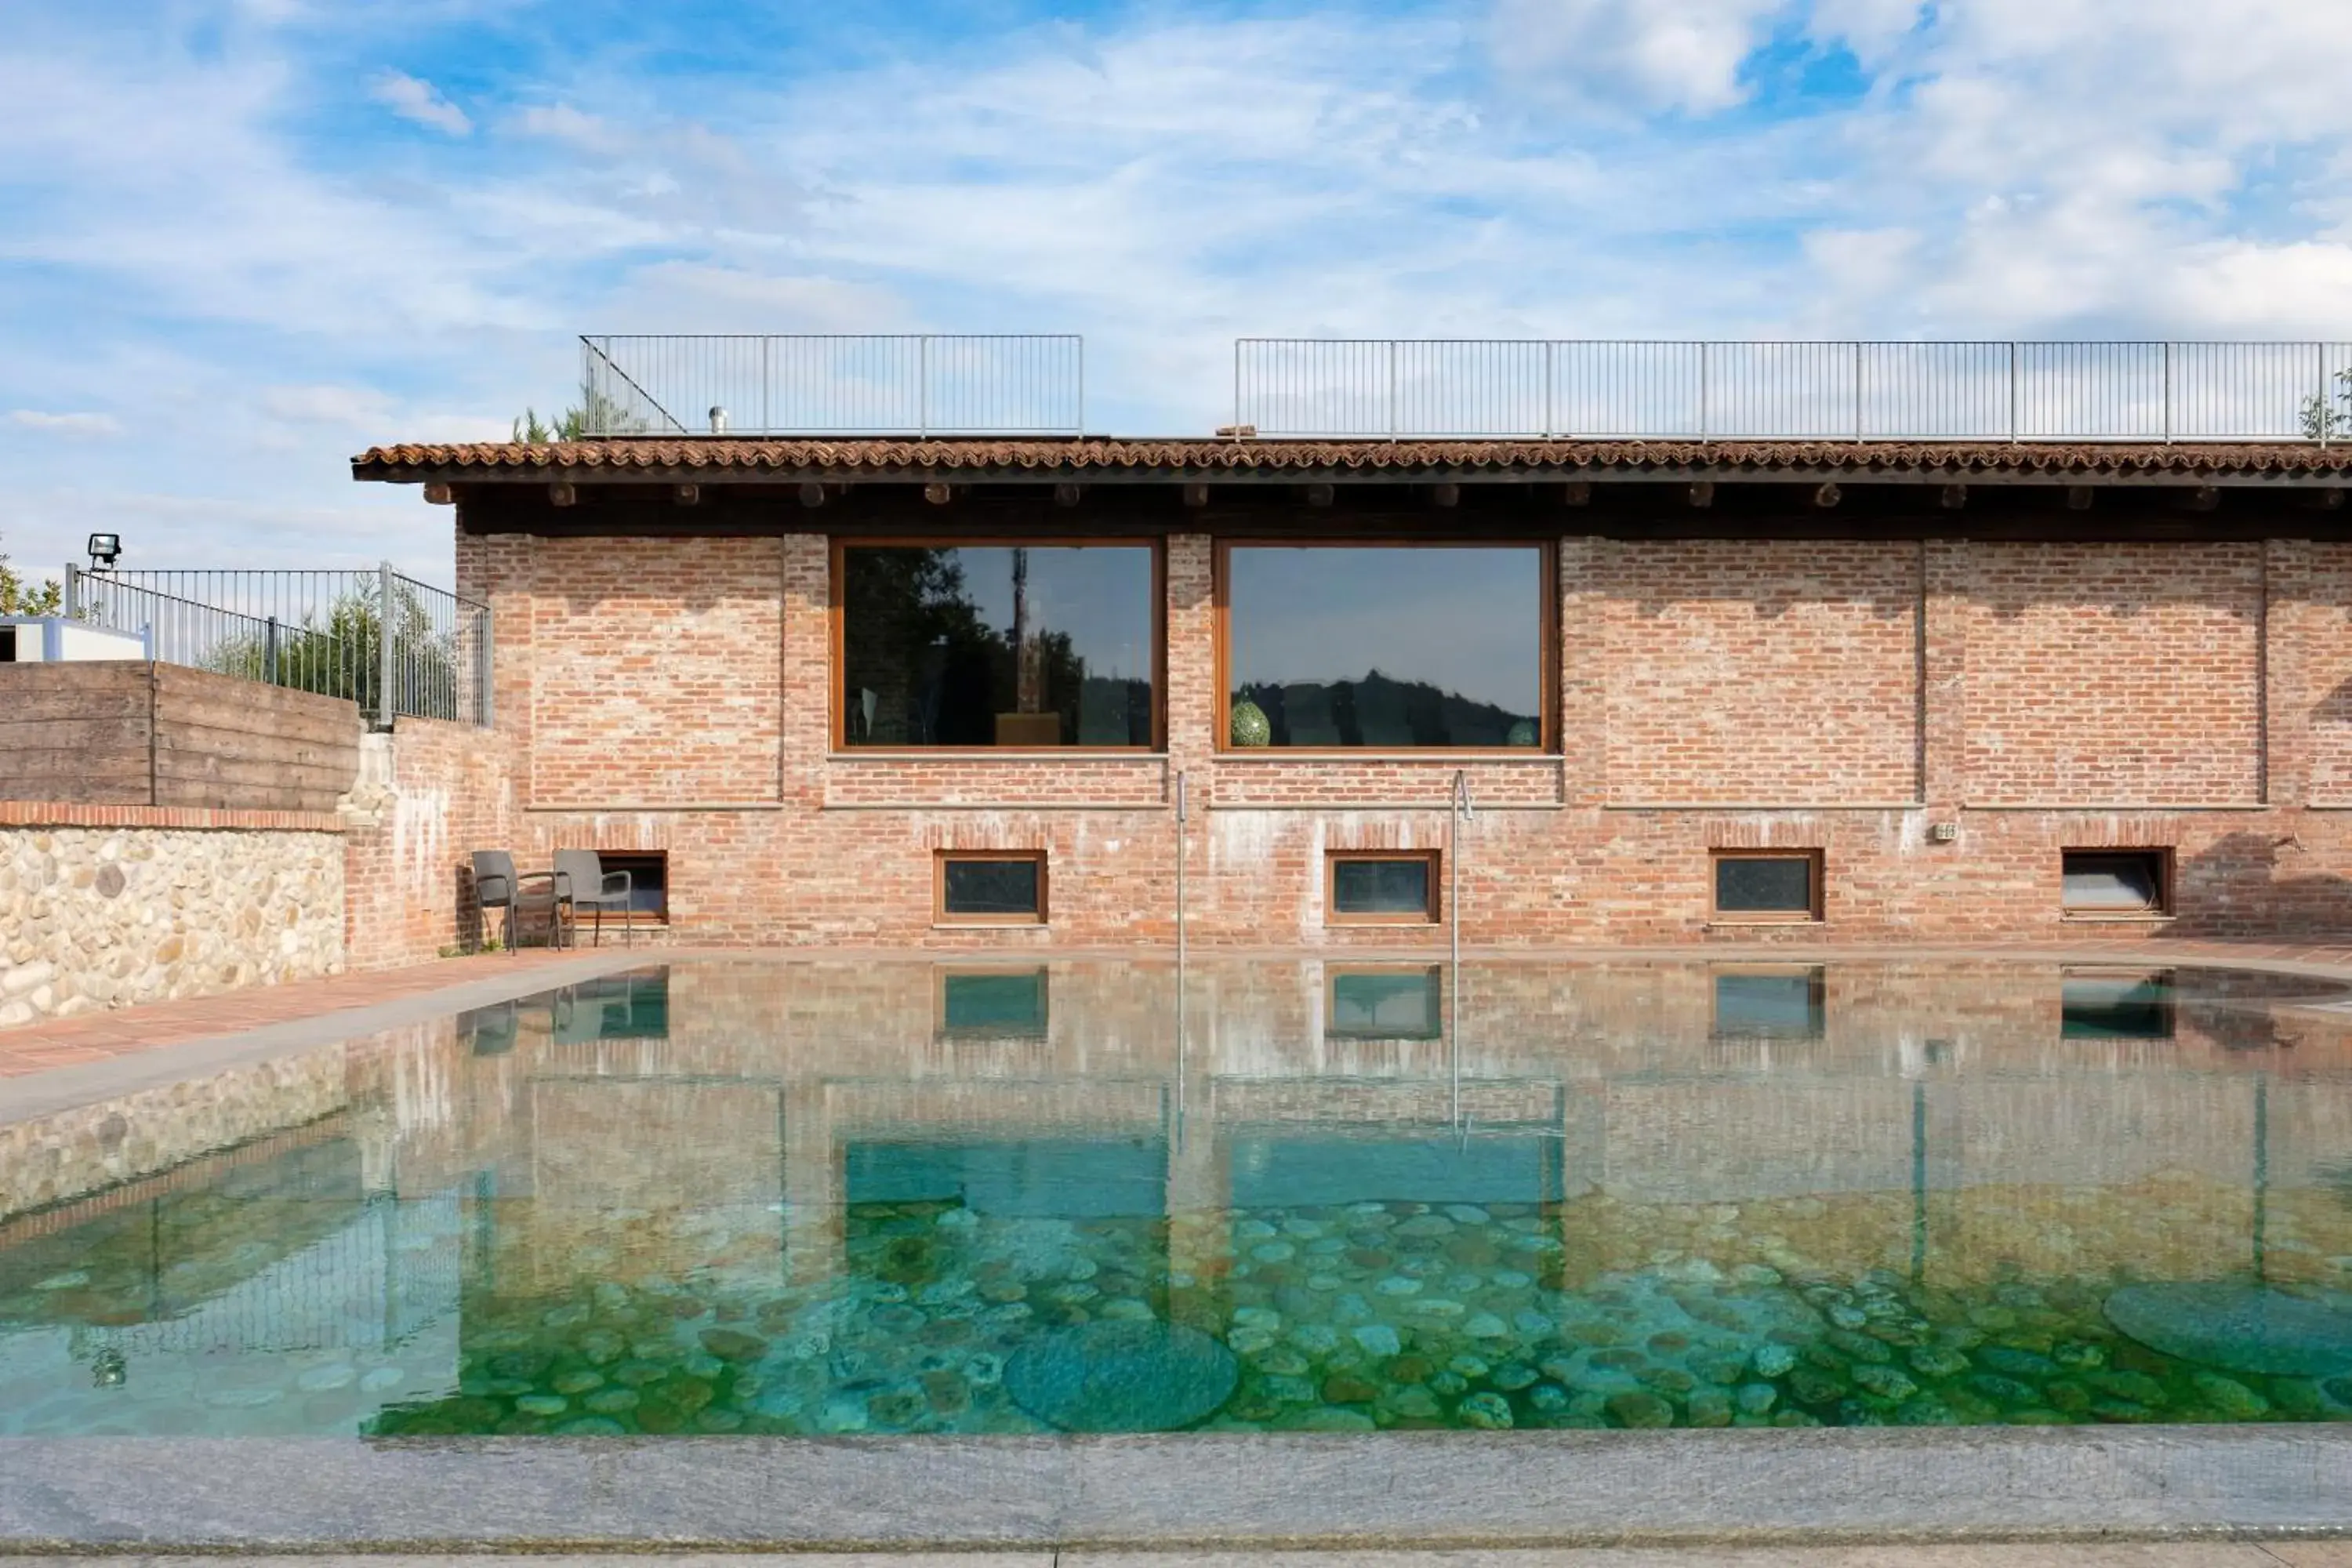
[498, 886]
[582, 881]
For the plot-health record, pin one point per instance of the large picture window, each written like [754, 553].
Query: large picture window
[1386, 647]
[997, 645]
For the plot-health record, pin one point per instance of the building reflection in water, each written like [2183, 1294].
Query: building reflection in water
[782, 1128]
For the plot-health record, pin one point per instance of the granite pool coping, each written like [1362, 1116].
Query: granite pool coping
[1266, 1491]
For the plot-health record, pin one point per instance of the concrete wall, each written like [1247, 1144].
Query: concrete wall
[1832, 695]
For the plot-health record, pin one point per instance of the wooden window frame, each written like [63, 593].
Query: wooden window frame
[1334, 974]
[837, 724]
[1812, 915]
[941, 974]
[1548, 728]
[940, 913]
[1433, 914]
[2165, 888]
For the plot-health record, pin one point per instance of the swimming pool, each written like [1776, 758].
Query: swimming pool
[817, 1198]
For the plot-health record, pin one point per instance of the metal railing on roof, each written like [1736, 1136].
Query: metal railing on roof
[397, 648]
[913, 384]
[1844, 391]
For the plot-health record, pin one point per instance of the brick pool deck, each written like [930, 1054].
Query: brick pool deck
[130, 1031]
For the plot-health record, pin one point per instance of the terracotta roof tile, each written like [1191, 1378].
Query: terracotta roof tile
[651, 457]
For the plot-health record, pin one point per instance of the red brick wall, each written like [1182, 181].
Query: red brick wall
[2114, 674]
[1714, 657]
[2040, 696]
[408, 849]
[654, 673]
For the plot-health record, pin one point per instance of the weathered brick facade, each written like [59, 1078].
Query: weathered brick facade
[673, 692]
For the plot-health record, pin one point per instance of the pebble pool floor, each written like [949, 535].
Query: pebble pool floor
[310, 1307]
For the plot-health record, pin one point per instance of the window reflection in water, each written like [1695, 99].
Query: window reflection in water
[2116, 1007]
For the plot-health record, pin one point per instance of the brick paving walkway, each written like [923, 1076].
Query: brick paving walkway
[98, 1037]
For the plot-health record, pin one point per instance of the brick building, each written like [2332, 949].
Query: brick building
[950, 692]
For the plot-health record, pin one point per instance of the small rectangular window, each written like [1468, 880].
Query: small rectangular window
[1768, 886]
[995, 1002]
[2115, 1006]
[991, 886]
[648, 884]
[1385, 1005]
[1384, 887]
[2117, 883]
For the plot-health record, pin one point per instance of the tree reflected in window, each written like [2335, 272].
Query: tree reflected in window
[997, 646]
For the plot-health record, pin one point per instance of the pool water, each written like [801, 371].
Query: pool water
[816, 1198]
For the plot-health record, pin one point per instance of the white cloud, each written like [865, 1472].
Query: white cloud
[257, 301]
[1660, 54]
[561, 122]
[66, 424]
[419, 103]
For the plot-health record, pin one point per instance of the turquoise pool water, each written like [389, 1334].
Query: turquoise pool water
[810, 1198]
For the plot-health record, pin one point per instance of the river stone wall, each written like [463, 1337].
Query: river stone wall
[109, 917]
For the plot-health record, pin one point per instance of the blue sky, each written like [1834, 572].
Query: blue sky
[242, 239]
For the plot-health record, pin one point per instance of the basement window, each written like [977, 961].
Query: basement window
[1384, 887]
[649, 883]
[991, 887]
[1767, 887]
[2117, 884]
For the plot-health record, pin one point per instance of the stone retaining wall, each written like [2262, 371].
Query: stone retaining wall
[110, 913]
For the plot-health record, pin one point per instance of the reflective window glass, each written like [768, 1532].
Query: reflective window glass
[1385, 647]
[993, 889]
[997, 646]
[1764, 885]
[1368, 888]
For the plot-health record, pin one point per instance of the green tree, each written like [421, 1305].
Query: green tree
[2325, 418]
[595, 414]
[23, 596]
[344, 656]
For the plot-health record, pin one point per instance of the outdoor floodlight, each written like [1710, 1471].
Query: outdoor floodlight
[105, 549]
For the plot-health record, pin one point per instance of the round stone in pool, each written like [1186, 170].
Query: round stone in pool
[1114, 1375]
[2237, 1326]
